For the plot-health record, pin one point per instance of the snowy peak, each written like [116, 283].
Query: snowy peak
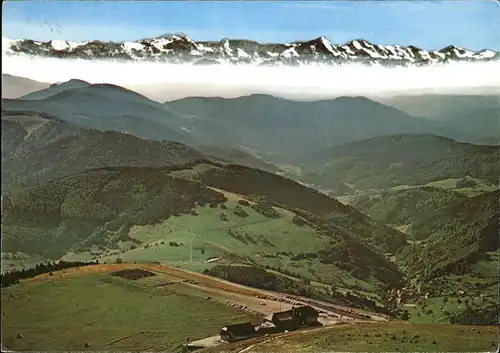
[180, 48]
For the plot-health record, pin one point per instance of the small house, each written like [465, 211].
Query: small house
[297, 317]
[306, 315]
[284, 320]
[238, 332]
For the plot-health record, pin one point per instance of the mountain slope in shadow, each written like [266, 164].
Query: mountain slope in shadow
[114, 108]
[404, 159]
[283, 127]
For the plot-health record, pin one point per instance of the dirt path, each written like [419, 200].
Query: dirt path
[260, 305]
[332, 309]
[30, 122]
[212, 341]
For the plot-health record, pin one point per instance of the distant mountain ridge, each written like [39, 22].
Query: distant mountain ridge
[248, 122]
[56, 88]
[104, 107]
[15, 86]
[305, 126]
[179, 48]
[477, 114]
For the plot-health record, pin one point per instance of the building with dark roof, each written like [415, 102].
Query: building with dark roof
[284, 320]
[306, 315]
[297, 317]
[288, 320]
[238, 332]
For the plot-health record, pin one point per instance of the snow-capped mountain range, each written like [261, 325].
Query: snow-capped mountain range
[179, 48]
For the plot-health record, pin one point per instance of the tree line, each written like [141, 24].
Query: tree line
[14, 277]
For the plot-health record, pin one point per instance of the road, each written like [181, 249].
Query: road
[286, 300]
[267, 302]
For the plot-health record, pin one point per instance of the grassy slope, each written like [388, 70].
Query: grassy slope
[99, 308]
[95, 208]
[481, 186]
[19, 261]
[389, 337]
[264, 241]
[135, 214]
[211, 234]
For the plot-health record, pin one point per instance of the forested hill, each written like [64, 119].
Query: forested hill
[388, 161]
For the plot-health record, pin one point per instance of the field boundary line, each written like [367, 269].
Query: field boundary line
[124, 337]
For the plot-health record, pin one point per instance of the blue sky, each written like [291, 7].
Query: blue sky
[426, 24]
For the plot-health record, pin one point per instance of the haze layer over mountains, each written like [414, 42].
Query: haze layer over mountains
[164, 81]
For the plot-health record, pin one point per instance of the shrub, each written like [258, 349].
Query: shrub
[265, 209]
[465, 183]
[238, 211]
[298, 221]
[244, 203]
[405, 315]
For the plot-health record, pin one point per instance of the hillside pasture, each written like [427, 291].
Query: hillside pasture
[387, 337]
[64, 311]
